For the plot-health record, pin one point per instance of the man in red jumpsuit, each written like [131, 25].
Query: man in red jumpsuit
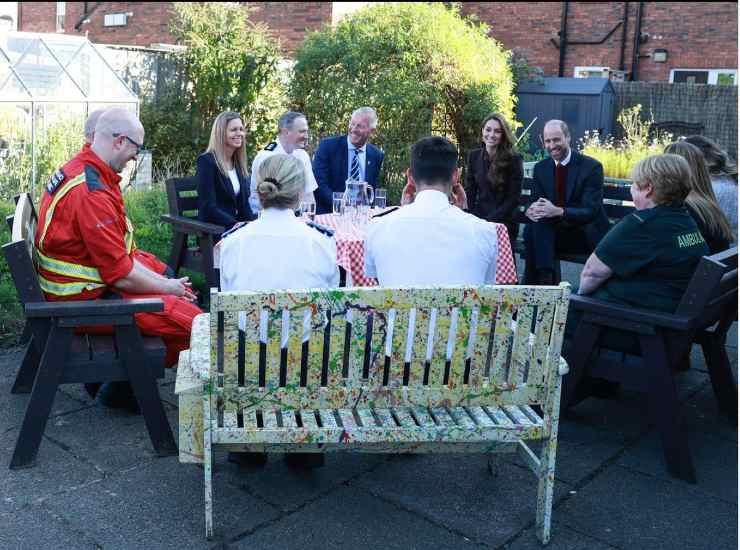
[85, 241]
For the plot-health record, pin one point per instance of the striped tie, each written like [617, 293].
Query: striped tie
[354, 172]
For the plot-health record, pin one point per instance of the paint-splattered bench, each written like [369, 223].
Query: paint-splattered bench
[416, 370]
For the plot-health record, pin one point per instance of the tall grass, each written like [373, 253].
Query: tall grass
[619, 156]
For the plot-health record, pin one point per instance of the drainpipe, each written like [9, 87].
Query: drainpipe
[563, 37]
[624, 35]
[636, 48]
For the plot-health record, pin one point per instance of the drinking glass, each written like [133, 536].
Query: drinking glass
[308, 210]
[337, 202]
[380, 198]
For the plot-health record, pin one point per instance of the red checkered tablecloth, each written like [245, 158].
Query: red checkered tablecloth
[351, 252]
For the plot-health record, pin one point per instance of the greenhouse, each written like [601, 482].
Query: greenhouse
[48, 85]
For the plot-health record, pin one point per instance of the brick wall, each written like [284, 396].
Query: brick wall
[291, 21]
[37, 16]
[696, 35]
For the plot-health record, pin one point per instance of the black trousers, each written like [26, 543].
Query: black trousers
[544, 240]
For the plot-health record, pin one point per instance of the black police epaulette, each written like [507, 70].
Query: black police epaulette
[389, 211]
[92, 178]
[55, 181]
[321, 228]
[271, 146]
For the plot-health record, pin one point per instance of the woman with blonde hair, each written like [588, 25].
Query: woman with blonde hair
[223, 187]
[279, 251]
[701, 201]
[494, 174]
[723, 172]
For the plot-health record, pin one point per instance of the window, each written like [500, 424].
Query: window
[115, 20]
[591, 72]
[722, 77]
[61, 12]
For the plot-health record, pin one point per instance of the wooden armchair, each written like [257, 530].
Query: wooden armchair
[182, 198]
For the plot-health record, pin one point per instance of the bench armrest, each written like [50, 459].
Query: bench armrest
[189, 225]
[87, 308]
[200, 346]
[632, 314]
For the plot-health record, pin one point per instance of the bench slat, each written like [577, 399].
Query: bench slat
[461, 338]
[398, 354]
[422, 416]
[385, 417]
[250, 419]
[542, 329]
[327, 419]
[289, 419]
[367, 418]
[308, 418]
[461, 418]
[521, 352]
[230, 419]
[357, 346]
[316, 352]
[517, 415]
[348, 419]
[274, 334]
[501, 344]
[404, 417]
[532, 415]
[269, 418]
[480, 416]
[336, 366]
[419, 348]
[483, 321]
[231, 347]
[440, 336]
[252, 348]
[442, 417]
[295, 348]
[499, 416]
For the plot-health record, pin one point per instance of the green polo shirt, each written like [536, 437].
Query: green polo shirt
[653, 254]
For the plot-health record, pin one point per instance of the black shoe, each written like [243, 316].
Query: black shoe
[248, 460]
[304, 461]
[92, 389]
[119, 395]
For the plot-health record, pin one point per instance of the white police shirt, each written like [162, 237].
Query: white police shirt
[272, 149]
[278, 252]
[431, 242]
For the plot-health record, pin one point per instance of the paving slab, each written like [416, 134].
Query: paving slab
[159, 505]
[715, 461]
[110, 439]
[626, 415]
[351, 518]
[55, 471]
[458, 492]
[563, 538]
[702, 415]
[35, 528]
[288, 488]
[632, 510]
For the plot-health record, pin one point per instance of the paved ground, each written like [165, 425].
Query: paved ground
[98, 485]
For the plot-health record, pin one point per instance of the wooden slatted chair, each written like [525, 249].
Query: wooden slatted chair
[351, 388]
[182, 199]
[55, 354]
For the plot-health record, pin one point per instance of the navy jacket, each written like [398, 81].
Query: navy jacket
[584, 194]
[217, 202]
[330, 166]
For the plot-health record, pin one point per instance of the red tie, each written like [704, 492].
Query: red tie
[561, 179]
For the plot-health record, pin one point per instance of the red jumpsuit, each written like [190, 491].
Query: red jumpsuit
[85, 244]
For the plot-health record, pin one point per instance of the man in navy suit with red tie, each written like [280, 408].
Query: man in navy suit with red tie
[566, 214]
[340, 158]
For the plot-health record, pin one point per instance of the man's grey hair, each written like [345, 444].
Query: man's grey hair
[368, 112]
[287, 120]
[90, 124]
[562, 125]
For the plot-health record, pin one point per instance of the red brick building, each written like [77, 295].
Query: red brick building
[680, 41]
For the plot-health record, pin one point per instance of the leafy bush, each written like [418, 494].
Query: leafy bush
[618, 157]
[11, 316]
[229, 63]
[422, 66]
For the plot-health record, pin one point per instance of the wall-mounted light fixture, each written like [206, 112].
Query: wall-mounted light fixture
[660, 55]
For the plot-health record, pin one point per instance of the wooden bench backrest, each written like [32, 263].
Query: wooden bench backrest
[617, 199]
[712, 288]
[182, 196]
[19, 252]
[358, 364]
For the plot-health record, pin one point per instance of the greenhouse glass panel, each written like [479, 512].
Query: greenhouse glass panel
[95, 77]
[43, 75]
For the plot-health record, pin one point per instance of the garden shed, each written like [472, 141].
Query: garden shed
[48, 85]
[583, 103]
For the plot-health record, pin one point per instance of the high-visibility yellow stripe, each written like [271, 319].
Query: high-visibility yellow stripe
[66, 188]
[61, 267]
[66, 289]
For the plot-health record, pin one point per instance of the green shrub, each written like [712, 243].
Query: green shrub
[11, 316]
[230, 64]
[421, 66]
[618, 157]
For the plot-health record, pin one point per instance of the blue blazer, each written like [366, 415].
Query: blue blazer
[217, 202]
[330, 164]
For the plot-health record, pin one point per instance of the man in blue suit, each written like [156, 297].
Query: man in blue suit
[339, 158]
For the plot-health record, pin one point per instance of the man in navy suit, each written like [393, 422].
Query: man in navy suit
[339, 158]
[566, 214]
